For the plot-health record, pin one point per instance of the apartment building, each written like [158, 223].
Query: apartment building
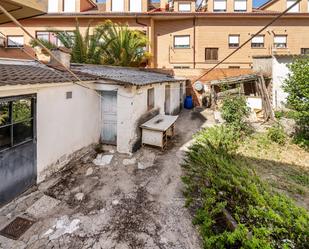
[182, 33]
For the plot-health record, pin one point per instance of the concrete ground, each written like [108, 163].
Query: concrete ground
[135, 201]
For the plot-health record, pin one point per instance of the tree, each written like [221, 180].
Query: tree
[297, 86]
[123, 47]
[110, 44]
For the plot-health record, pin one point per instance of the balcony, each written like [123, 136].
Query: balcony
[21, 9]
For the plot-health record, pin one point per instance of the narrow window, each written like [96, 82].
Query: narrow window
[211, 54]
[257, 41]
[118, 5]
[305, 51]
[184, 7]
[280, 41]
[219, 5]
[240, 5]
[53, 6]
[135, 5]
[182, 41]
[150, 99]
[295, 9]
[233, 41]
[69, 6]
[15, 41]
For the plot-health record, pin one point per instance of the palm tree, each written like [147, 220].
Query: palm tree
[123, 47]
[110, 44]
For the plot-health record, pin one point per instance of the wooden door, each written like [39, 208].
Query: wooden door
[109, 117]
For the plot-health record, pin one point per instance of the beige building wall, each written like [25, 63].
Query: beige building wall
[281, 5]
[214, 33]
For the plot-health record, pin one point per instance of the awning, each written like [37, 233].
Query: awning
[21, 9]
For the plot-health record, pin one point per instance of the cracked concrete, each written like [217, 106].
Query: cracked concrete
[123, 207]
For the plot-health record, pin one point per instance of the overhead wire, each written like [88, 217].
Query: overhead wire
[247, 41]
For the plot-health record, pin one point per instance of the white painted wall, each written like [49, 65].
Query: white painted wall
[132, 105]
[65, 125]
[280, 72]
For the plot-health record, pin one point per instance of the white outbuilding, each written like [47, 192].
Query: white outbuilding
[46, 118]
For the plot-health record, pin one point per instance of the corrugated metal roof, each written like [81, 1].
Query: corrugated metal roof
[125, 75]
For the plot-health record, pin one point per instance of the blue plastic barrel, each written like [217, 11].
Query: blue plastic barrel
[188, 102]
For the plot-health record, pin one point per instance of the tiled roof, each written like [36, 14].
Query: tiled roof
[222, 73]
[124, 75]
[35, 74]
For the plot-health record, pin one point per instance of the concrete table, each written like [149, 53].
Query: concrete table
[157, 130]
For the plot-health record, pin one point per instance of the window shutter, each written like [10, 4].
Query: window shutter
[118, 5]
[289, 3]
[15, 41]
[258, 39]
[135, 5]
[240, 5]
[69, 6]
[53, 6]
[220, 5]
[280, 39]
[234, 39]
[185, 7]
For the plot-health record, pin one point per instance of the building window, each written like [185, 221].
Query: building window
[15, 41]
[118, 5]
[280, 41]
[16, 121]
[211, 54]
[135, 5]
[219, 5]
[233, 41]
[257, 41]
[69, 6]
[295, 9]
[49, 36]
[184, 7]
[181, 67]
[240, 5]
[304, 51]
[181, 41]
[53, 6]
[150, 98]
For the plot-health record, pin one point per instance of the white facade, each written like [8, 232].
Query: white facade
[280, 73]
[132, 107]
[64, 126]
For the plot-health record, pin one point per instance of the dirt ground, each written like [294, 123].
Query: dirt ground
[136, 203]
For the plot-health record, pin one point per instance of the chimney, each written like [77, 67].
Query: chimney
[63, 55]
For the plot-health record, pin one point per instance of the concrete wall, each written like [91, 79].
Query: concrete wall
[280, 73]
[64, 126]
[132, 110]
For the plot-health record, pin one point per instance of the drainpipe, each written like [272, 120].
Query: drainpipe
[194, 42]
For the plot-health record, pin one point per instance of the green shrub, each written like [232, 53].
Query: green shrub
[215, 182]
[234, 111]
[223, 138]
[277, 134]
[297, 87]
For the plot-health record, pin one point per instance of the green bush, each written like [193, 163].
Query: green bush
[216, 182]
[297, 87]
[277, 134]
[223, 138]
[234, 111]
